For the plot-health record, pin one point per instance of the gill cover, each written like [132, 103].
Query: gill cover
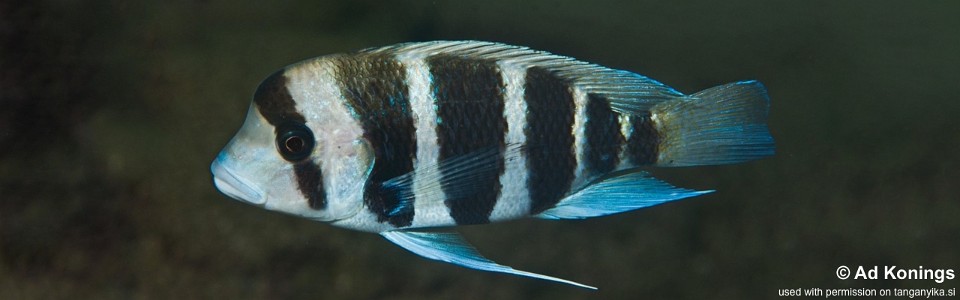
[285, 158]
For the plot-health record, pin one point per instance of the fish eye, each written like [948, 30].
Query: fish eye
[294, 141]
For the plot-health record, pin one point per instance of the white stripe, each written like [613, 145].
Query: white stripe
[626, 130]
[427, 191]
[579, 137]
[514, 199]
[313, 86]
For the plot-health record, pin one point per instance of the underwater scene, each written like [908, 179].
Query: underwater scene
[113, 111]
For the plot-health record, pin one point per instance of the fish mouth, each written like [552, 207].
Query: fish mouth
[232, 186]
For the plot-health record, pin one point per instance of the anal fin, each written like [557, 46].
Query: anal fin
[452, 248]
[615, 193]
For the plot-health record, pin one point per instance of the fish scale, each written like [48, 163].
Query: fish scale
[474, 121]
[375, 86]
[550, 155]
[395, 139]
[604, 138]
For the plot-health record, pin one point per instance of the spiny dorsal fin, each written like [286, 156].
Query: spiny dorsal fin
[627, 92]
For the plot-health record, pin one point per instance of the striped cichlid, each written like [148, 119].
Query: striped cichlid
[396, 139]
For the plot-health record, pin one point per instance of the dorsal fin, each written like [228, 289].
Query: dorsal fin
[627, 92]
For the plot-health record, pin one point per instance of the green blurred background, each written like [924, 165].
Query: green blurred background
[112, 111]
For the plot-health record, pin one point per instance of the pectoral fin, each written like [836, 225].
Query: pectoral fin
[451, 248]
[451, 179]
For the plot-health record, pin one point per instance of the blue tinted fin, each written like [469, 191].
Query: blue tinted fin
[451, 248]
[624, 90]
[462, 172]
[615, 193]
[721, 125]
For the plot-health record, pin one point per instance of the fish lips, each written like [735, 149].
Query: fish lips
[234, 187]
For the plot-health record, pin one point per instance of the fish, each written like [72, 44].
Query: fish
[411, 140]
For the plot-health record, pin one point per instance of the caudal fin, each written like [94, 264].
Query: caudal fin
[721, 125]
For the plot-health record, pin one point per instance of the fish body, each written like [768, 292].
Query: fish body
[437, 134]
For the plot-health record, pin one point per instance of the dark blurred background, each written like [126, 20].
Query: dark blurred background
[111, 111]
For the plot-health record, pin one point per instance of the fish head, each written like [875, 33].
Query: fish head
[290, 157]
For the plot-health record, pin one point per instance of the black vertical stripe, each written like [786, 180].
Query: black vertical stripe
[470, 102]
[603, 136]
[276, 105]
[642, 147]
[375, 89]
[274, 101]
[550, 143]
[310, 183]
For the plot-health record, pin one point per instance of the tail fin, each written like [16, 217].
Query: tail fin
[721, 125]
